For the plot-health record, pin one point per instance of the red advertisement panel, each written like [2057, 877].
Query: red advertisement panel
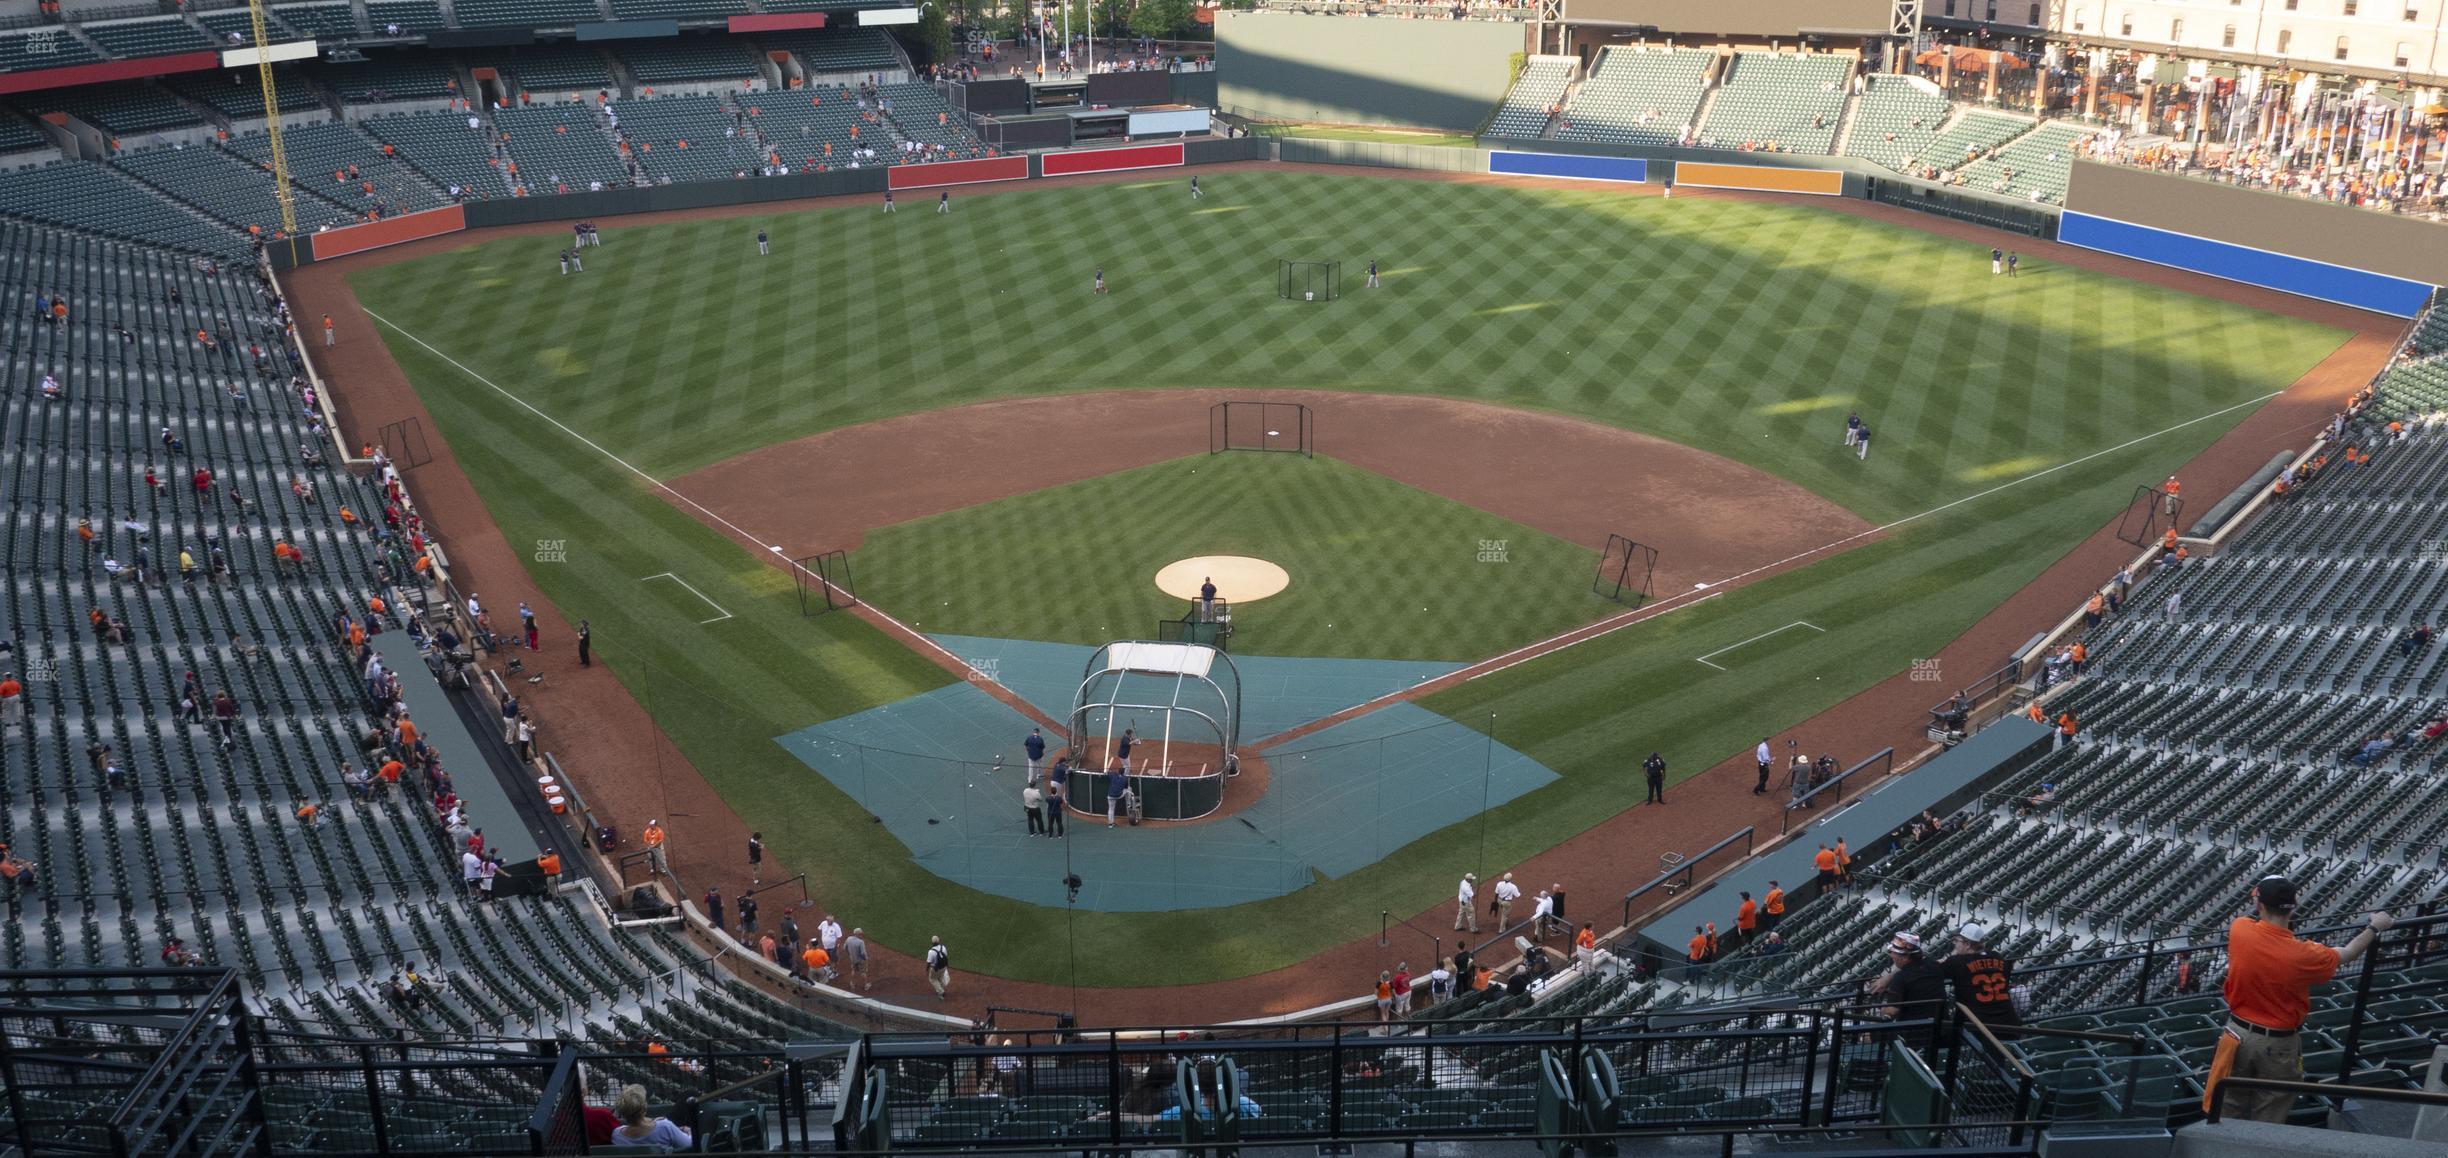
[777, 21]
[389, 231]
[958, 173]
[75, 74]
[1111, 160]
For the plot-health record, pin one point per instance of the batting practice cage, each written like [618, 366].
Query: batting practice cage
[1286, 426]
[824, 583]
[1179, 707]
[1308, 281]
[1625, 570]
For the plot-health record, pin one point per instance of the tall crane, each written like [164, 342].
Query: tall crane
[272, 124]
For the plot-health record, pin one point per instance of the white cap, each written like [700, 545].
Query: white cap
[1974, 932]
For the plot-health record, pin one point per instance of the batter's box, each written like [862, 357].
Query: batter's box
[1710, 657]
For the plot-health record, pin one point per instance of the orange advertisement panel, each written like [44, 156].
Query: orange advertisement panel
[389, 231]
[1702, 175]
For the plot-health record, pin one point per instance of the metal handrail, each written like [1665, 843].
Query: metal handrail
[1836, 783]
[1690, 865]
[2219, 1089]
[1982, 1028]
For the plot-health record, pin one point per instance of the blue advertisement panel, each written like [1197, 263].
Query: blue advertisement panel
[1581, 167]
[2362, 289]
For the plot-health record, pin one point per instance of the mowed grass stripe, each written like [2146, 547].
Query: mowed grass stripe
[1665, 317]
[1379, 570]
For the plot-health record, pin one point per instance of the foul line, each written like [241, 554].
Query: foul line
[1484, 668]
[1759, 637]
[1559, 642]
[693, 591]
[659, 484]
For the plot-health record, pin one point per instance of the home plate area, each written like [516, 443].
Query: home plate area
[944, 772]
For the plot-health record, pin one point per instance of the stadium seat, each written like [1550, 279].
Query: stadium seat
[1779, 102]
[1524, 112]
[1638, 96]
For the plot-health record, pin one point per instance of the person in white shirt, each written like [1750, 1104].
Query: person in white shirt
[1541, 914]
[829, 933]
[1441, 980]
[1466, 902]
[471, 871]
[1765, 758]
[1506, 893]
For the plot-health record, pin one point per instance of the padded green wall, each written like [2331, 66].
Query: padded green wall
[1444, 74]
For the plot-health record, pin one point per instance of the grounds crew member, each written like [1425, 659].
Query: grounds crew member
[2270, 975]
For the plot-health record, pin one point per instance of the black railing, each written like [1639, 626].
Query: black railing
[1724, 1072]
[2222, 1087]
[1679, 877]
[1833, 787]
[1969, 699]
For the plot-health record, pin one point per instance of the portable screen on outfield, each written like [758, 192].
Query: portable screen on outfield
[1308, 281]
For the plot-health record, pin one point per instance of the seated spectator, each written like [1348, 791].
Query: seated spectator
[15, 870]
[2371, 750]
[2415, 640]
[637, 1128]
[2038, 801]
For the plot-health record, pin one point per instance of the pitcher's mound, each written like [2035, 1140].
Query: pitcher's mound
[1238, 578]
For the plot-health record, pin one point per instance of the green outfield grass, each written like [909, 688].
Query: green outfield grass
[1743, 329]
[1379, 570]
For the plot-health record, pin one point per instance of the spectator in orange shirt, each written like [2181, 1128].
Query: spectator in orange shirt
[1772, 907]
[2270, 975]
[1746, 919]
[1826, 863]
[1844, 862]
[1697, 952]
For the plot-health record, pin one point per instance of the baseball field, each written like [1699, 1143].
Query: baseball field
[1003, 453]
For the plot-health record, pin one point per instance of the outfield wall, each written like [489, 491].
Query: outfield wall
[1382, 155]
[2335, 253]
[714, 194]
[1444, 74]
